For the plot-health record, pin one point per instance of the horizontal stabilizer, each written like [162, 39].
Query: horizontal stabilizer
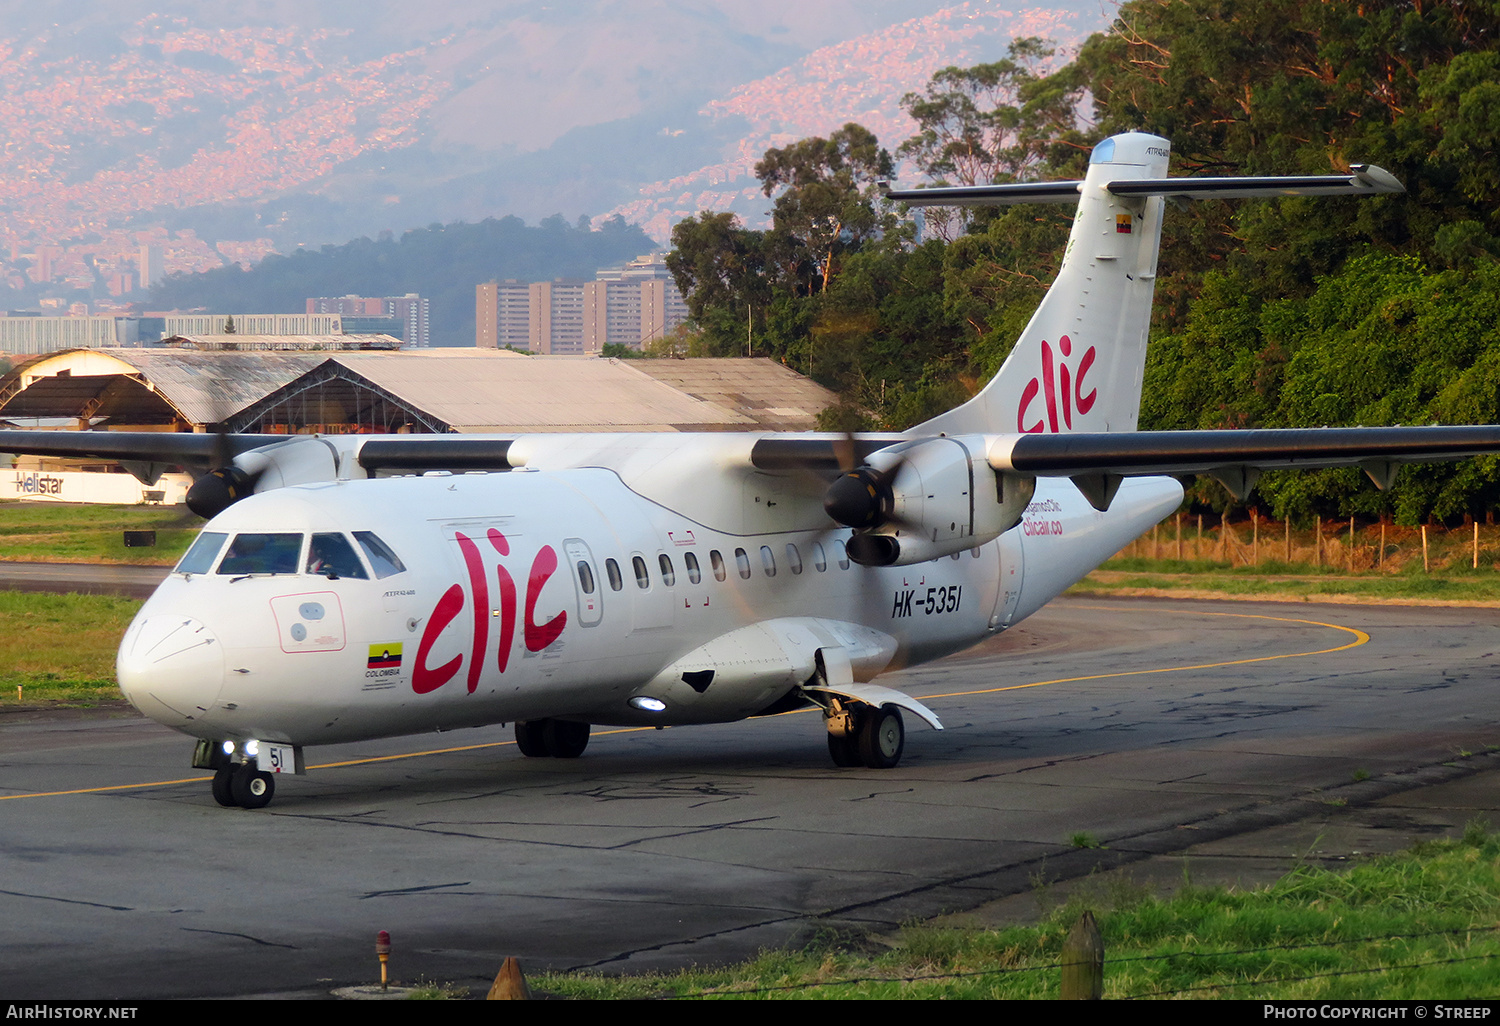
[1363, 180]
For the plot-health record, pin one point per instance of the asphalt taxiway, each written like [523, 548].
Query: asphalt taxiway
[1237, 736]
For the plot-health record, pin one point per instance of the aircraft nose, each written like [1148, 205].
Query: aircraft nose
[170, 668]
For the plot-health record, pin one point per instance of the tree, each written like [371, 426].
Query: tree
[827, 206]
[720, 269]
[989, 123]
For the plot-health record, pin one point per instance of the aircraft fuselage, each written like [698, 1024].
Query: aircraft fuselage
[562, 595]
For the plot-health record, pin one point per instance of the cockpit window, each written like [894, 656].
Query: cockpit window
[331, 556]
[200, 558]
[382, 560]
[262, 554]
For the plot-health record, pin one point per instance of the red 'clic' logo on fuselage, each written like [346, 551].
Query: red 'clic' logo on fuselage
[1063, 388]
[536, 635]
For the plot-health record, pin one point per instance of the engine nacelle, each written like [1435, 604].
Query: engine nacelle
[937, 496]
[302, 459]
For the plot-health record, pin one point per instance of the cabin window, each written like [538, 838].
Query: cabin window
[383, 561]
[612, 570]
[642, 575]
[841, 554]
[793, 558]
[330, 555]
[200, 558]
[768, 560]
[691, 561]
[668, 575]
[819, 559]
[585, 577]
[717, 562]
[262, 554]
[742, 562]
[974, 552]
[957, 555]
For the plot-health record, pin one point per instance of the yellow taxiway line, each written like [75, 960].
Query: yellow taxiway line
[1360, 638]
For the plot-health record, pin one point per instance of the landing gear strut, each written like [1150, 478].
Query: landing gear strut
[863, 735]
[561, 739]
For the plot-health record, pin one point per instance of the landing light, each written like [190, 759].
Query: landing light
[228, 747]
[252, 748]
[645, 703]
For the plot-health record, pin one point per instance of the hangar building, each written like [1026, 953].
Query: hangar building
[383, 392]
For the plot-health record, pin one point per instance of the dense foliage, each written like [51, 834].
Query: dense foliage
[440, 262]
[1270, 313]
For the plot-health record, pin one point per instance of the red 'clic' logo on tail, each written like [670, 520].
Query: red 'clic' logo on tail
[1063, 387]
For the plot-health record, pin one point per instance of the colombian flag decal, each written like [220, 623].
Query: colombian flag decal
[1122, 224]
[386, 656]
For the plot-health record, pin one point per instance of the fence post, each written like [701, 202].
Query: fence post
[1083, 961]
[1289, 538]
[1255, 536]
[1318, 540]
[1351, 544]
[1476, 544]
[1179, 538]
[1426, 566]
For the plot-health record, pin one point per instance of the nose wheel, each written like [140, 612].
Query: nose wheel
[243, 786]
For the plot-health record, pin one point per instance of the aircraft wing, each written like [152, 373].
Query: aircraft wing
[1097, 461]
[150, 446]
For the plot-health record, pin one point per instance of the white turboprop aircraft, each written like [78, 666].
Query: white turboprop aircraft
[667, 579]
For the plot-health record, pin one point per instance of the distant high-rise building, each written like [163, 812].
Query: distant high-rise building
[631, 306]
[151, 269]
[557, 317]
[411, 310]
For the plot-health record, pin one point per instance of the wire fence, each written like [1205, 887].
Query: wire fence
[1058, 966]
[1349, 545]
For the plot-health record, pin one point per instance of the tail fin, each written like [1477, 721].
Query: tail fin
[1079, 363]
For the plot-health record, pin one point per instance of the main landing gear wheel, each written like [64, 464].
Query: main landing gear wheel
[882, 737]
[251, 788]
[557, 738]
[844, 748]
[223, 793]
[530, 739]
[565, 740]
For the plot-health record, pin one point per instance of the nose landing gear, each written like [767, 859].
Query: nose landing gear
[243, 786]
[238, 782]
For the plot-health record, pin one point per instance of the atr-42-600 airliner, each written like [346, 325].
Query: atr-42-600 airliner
[362, 586]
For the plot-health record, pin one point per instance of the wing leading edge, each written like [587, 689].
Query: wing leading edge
[1098, 461]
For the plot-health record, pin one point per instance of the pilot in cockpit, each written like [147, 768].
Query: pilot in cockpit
[331, 556]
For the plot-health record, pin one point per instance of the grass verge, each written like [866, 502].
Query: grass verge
[77, 533]
[1419, 925]
[61, 648]
[1292, 583]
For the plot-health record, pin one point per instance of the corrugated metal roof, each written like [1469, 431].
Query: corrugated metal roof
[209, 387]
[773, 396]
[541, 393]
[483, 390]
[205, 387]
[281, 343]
